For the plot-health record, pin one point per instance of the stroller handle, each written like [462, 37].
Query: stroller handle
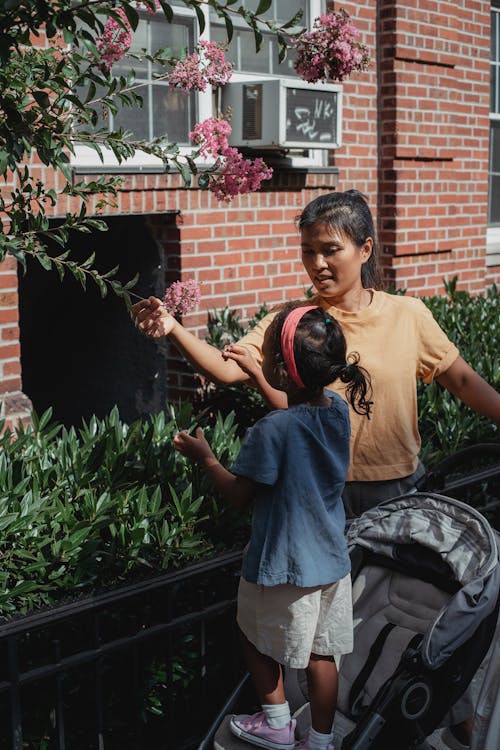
[434, 479]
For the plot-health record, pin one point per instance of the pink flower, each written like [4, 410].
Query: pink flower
[211, 136]
[114, 42]
[181, 297]
[331, 51]
[206, 66]
[236, 175]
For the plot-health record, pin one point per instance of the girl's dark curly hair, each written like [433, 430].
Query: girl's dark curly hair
[320, 356]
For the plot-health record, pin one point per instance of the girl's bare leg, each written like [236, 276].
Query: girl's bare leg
[322, 681]
[266, 674]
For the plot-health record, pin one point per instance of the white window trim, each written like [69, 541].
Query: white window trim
[86, 157]
[493, 246]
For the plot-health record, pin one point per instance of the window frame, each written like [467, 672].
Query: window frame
[86, 159]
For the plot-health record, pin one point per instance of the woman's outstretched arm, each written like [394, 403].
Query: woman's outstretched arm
[151, 318]
[465, 383]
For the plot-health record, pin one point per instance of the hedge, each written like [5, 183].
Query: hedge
[89, 508]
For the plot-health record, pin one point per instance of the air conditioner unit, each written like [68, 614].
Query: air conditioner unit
[284, 114]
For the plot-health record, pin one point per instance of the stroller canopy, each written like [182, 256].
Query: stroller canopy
[462, 539]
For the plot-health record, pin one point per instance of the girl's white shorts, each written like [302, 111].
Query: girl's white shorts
[289, 623]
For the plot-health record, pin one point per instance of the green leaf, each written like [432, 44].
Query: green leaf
[167, 10]
[132, 15]
[42, 99]
[44, 260]
[130, 284]
[258, 38]
[203, 180]
[229, 28]
[4, 162]
[297, 18]
[45, 418]
[201, 17]
[263, 6]
[282, 47]
[185, 173]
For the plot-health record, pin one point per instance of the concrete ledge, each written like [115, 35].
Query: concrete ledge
[225, 739]
[15, 407]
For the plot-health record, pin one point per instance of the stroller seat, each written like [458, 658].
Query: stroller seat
[393, 611]
[425, 599]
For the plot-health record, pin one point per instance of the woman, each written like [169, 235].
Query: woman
[397, 338]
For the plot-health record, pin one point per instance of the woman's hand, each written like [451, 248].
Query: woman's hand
[151, 318]
[244, 359]
[196, 448]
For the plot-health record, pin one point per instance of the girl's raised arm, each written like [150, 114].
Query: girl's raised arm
[275, 399]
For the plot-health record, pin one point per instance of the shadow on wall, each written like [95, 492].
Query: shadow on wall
[80, 353]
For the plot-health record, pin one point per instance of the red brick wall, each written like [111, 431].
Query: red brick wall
[415, 141]
[14, 405]
[434, 131]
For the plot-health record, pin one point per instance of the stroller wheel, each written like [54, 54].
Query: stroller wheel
[416, 700]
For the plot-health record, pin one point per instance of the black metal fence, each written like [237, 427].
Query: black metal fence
[151, 666]
[144, 666]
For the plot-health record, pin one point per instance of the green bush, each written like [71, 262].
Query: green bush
[94, 507]
[91, 508]
[473, 324]
[225, 327]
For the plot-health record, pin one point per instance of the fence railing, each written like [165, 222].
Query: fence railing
[145, 666]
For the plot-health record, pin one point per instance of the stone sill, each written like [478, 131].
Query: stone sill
[154, 178]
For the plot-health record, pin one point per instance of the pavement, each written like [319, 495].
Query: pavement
[225, 740]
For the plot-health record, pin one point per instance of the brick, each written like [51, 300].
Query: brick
[11, 368]
[8, 351]
[10, 333]
[8, 299]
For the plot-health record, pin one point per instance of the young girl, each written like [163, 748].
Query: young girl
[294, 599]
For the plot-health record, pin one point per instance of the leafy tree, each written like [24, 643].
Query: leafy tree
[56, 76]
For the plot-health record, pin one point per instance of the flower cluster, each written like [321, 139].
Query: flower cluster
[236, 175]
[331, 51]
[114, 41]
[206, 66]
[211, 136]
[181, 297]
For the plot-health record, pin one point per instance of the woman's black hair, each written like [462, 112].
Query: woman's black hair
[320, 356]
[348, 213]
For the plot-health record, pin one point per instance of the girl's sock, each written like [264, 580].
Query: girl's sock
[278, 716]
[318, 741]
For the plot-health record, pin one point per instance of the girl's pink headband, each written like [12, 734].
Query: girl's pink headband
[287, 338]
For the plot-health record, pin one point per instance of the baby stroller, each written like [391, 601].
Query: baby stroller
[426, 584]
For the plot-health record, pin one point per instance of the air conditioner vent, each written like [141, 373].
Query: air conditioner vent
[252, 112]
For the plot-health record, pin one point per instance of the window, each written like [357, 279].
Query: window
[493, 256]
[164, 110]
[174, 113]
[242, 49]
